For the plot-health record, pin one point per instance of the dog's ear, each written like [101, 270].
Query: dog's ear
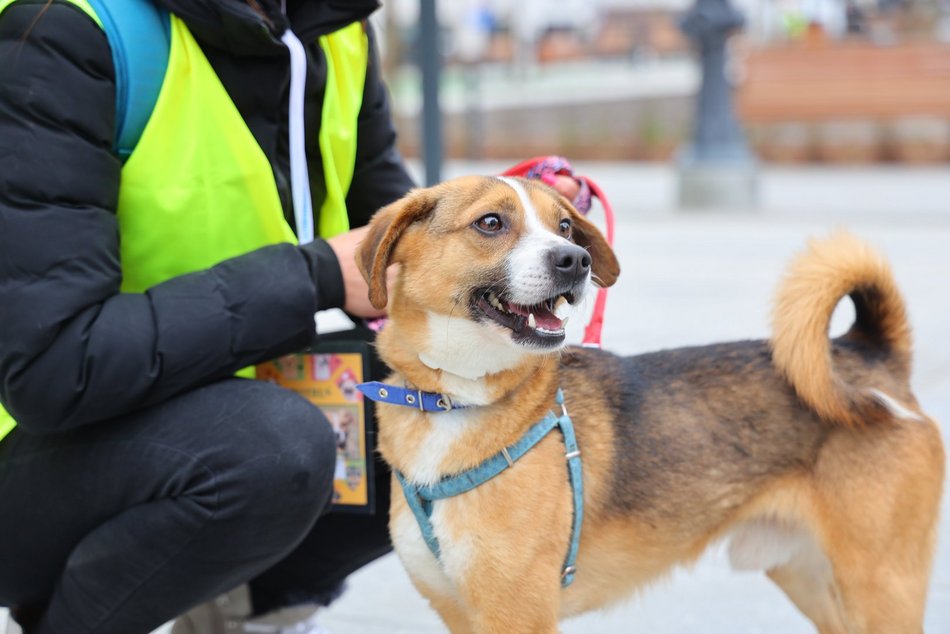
[605, 266]
[375, 252]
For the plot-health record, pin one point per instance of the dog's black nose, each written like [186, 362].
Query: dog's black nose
[571, 263]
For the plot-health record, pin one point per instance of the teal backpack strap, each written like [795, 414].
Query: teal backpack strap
[139, 36]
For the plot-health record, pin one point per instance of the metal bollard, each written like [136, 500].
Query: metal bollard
[716, 167]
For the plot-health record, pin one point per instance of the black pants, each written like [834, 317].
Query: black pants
[124, 525]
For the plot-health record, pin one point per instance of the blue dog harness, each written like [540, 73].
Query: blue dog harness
[420, 498]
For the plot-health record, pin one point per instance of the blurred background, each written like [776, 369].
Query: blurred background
[833, 81]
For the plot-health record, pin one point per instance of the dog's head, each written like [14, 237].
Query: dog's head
[509, 256]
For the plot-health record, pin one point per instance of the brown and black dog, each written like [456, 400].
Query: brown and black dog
[810, 454]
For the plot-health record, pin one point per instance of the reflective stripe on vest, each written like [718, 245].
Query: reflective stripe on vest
[198, 189]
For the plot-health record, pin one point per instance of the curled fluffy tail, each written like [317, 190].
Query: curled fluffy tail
[816, 281]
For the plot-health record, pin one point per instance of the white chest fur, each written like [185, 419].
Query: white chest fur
[414, 553]
[437, 575]
[467, 349]
[426, 465]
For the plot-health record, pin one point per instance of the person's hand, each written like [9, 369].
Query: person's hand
[355, 287]
[558, 174]
[566, 186]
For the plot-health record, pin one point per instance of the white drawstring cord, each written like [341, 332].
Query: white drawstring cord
[299, 176]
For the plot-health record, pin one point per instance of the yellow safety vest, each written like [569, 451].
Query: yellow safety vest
[198, 189]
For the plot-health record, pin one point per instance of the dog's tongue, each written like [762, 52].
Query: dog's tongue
[543, 318]
[547, 321]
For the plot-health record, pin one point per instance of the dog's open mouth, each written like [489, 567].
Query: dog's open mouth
[541, 324]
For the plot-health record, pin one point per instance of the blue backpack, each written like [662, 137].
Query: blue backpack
[139, 34]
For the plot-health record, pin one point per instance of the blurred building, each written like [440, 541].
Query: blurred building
[615, 79]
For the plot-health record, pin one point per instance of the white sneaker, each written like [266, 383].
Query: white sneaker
[7, 624]
[225, 614]
[306, 626]
[287, 621]
[230, 614]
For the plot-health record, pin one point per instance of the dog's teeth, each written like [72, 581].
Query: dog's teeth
[532, 322]
[562, 308]
[495, 302]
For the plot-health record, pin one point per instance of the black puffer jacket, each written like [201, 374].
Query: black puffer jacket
[73, 349]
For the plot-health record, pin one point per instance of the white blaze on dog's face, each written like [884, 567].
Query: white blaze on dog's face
[493, 264]
[546, 273]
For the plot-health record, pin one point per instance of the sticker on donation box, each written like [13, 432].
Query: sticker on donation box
[327, 377]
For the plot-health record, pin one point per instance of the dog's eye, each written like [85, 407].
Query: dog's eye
[489, 223]
[565, 228]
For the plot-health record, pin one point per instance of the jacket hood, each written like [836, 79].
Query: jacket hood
[236, 27]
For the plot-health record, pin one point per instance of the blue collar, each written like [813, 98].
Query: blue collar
[421, 498]
[417, 399]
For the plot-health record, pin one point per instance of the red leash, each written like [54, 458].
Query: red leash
[545, 168]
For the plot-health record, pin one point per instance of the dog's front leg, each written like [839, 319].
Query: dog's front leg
[511, 608]
[505, 542]
[451, 613]
[489, 613]
[507, 590]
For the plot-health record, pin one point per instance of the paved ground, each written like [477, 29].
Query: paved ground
[693, 278]
[699, 277]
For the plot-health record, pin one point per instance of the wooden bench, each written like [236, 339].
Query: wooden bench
[842, 81]
[847, 102]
